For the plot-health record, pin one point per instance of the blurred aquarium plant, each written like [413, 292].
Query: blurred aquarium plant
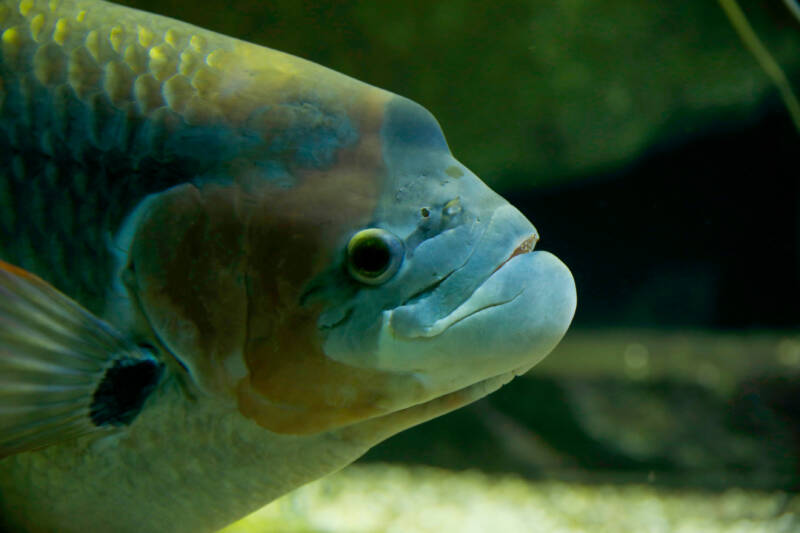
[761, 54]
[660, 163]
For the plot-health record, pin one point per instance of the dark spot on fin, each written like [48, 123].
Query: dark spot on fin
[64, 372]
[123, 390]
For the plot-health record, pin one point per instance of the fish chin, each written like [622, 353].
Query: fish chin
[374, 430]
[510, 322]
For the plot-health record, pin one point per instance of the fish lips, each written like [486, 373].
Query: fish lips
[512, 320]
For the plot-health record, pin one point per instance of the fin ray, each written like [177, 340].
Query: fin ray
[56, 360]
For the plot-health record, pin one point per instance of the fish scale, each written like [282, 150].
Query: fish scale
[85, 110]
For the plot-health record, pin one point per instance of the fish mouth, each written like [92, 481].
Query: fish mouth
[475, 302]
[509, 322]
[506, 236]
[465, 311]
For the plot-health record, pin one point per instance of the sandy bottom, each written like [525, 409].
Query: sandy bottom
[396, 499]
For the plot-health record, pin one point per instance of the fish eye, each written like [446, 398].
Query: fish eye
[374, 255]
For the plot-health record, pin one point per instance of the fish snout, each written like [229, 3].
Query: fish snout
[515, 307]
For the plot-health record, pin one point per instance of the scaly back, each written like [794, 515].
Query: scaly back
[102, 105]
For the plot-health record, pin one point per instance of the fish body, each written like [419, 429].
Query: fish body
[227, 271]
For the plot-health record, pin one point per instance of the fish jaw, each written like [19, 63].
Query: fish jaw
[501, 311]
[508, 325]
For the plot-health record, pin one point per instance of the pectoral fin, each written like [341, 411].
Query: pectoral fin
[63, 371]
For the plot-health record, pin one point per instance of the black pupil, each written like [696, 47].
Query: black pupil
[371, 256]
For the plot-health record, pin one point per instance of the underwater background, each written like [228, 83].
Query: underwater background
[658, 161]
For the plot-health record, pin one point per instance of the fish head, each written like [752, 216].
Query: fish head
[348, 267]
[441, 288]
[464, 295]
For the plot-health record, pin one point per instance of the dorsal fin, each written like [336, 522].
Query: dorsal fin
[63, 371]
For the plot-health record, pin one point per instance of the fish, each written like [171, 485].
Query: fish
[227, 271]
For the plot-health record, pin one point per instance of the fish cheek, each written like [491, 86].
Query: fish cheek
[292, 386]
[188, 263]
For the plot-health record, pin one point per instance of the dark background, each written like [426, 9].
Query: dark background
[699, 231]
